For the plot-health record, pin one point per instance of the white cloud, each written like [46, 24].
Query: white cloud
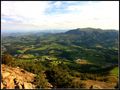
[24, 8]
[3, 21]
[58, 4]
[99, 14]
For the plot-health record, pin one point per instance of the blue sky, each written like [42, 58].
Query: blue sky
[61, 7]
[41, 15]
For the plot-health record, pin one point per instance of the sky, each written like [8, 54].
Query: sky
[46, 15]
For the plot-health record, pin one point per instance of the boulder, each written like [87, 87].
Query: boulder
[10, 83]
[1, 85]
[97, 87]
[5, 74]
[28, 85]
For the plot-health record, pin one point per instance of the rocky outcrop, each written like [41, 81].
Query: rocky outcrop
[16, 78]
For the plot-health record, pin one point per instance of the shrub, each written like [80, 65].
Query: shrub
[7, 59]
[41, 81]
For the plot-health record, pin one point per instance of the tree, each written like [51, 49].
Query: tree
[41, 81]
[76, 83]
[7, 58]
[58, 77]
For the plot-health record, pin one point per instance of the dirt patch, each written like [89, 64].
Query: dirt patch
[98, 84]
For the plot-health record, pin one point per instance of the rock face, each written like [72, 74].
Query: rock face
[16, 78]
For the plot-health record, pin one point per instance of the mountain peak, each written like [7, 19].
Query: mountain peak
[89, 30]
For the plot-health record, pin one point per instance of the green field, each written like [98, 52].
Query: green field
[115, 71]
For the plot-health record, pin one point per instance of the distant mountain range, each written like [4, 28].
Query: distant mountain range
[88, 37]
[91, 37]
[89, 30]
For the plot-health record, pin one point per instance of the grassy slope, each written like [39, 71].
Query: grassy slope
[115, 71]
